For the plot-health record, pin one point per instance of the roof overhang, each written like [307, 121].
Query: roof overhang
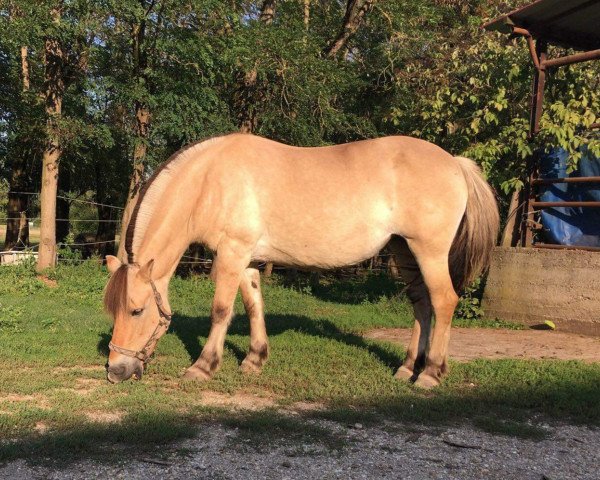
[571, 24]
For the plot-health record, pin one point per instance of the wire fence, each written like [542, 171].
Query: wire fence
[78, 200]
[70, 220]
[379, 264]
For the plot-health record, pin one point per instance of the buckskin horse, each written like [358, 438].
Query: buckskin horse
[251, 200]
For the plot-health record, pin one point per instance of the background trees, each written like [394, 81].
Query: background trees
[98, 92]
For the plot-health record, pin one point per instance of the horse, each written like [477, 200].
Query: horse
[251, 200]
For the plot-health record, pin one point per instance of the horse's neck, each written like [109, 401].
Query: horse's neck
[166, 240]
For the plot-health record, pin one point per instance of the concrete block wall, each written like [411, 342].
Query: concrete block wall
[530, 286]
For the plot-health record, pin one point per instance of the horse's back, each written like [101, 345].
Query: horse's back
[298, 202]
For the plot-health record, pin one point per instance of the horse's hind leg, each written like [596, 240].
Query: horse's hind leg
[432, 257]
[419, 297]
[253, 303]
[227, 272]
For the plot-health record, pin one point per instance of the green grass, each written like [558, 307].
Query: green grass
[54, 397]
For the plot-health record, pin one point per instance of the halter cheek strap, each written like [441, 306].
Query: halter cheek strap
[163, 321]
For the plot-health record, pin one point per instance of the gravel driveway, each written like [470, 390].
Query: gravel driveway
[393, 451]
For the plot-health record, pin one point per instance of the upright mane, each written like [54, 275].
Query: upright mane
[152, 192]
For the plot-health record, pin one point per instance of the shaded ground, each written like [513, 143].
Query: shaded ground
[336, 450]
[473, 343]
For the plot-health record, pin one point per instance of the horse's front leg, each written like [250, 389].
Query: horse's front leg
[227, 272]
[254, 305]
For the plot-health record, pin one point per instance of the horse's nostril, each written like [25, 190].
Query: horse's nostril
[117, 370]
[138, 372]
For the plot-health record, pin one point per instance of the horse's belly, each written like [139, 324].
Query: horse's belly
[322, 250]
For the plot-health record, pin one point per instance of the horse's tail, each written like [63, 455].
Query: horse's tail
[478, 231]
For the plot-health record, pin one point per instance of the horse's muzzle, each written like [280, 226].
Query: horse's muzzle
[125, 370]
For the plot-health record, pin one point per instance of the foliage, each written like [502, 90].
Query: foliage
[470, 95]
[469, 306]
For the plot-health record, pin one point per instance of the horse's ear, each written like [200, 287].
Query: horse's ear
[113, 263]
[145, 272]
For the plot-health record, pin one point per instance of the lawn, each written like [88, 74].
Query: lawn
[54, 396]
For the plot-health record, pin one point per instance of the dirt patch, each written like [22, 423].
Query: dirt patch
[472, 343]
[302, 407]
[83, 368]
[105, 417]
[84, 386]
[49, 282]
[241, 401]
[41, 427]
[39, 400]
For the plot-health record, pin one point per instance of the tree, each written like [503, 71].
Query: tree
[20, 111]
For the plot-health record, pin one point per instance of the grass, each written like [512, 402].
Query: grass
[54, 397]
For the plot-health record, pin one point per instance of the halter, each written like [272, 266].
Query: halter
[163, 321]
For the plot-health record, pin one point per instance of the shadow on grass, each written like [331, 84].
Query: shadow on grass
[104, 443]
[189, 329]
[354, 290]
[156, 434]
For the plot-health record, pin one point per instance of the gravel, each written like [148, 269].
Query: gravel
[351, 451]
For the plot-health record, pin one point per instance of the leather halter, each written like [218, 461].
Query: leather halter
[163, 321]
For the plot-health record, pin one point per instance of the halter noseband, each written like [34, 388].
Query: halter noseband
[163, 321]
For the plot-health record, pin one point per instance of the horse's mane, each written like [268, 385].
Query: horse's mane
[151, 193]
[115, 293]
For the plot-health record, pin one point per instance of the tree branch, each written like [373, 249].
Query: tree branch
[355, 13]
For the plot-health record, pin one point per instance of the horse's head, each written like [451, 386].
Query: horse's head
[140, 318]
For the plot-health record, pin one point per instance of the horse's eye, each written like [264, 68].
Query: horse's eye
[137, 312]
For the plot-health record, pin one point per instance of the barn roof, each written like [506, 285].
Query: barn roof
[572, 24]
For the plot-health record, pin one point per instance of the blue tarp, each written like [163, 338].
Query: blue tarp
[578, 226]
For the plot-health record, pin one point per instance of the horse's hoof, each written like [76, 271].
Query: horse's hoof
[196, 373]
[404, 373]
[250, 368]
[427, 381]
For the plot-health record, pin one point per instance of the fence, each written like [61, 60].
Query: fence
[195, 258]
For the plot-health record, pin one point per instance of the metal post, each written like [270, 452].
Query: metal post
[537, 103]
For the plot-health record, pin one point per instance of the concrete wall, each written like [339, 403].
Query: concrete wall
[530, 286]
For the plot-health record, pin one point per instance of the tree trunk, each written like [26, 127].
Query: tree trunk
[142, 116]
[267, 11]
[53, 92]
[247, 102]
[17, 233]
[355, 14]
[392, 266]
[17, 230]
[107, 226]
[25, 68]
[141, 130]
[268, 271]
[106, 232]
[306, 16]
